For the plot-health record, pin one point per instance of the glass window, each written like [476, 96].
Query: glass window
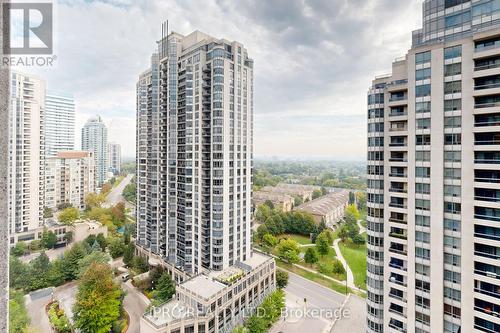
[453, 104]
[423, 172]
[423, 57]
[452, 87]
[421, 107]
[452, 122]
[422, 74]
[452, 69]
[423, 90]
[423, 123]
[453, 52]
[457, 19]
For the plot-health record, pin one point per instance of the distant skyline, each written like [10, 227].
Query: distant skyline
[313, 63]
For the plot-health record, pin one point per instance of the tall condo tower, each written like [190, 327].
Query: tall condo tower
[95, 140]
[194, 152]
[26, 152]
[434, 177]
[59, 122]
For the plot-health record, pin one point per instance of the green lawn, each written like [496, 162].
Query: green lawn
[298, 238]
[355, 255]
[327, 259]
[338, 287]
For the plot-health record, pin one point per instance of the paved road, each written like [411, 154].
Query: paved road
[115, 195]
[36, 311]
[317, 297]
[135, 304]
[332, 305]
[66, 295]
[52, 254]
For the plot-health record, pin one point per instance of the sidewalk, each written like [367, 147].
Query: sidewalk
[350, 276]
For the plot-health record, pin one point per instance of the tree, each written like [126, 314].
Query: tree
[256, 324]
[56, 275]
[288, 250]
[94, 200]
[269, 204]
[316, 194]
[106, 188]
[128, 254]
[164, 288]
[269, 240]
[140, 264]
[71, 259]
[99, 239]
[281, 278]
[18, 315]
[94, 257]
[343, 233]
[351, 214]
[69, 215]
[116, 247]
[240, 329]
[323, 243]
[337, 267]
[98, 300]
[64, 205]
[47, 212]
[361, 200]
[352, 198]
[129, 192]
[19, 249]
[311, 256]
[38, 272]
[297, 200]
[118, 213]
[49, 239]
[18, 271]
[358, 240]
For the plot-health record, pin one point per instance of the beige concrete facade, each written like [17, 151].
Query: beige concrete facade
[69, 178]
[26, 152]
[433, 207]
[214, 301]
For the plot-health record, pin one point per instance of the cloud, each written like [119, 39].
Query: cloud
[314, 61]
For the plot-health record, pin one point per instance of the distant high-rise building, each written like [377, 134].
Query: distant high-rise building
[95, 140]
[115, 157]
[434, 177]
[194, 152]
[59, 122]
[26, 151]
[70, 176]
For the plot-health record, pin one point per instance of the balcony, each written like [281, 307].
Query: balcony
[398, 235]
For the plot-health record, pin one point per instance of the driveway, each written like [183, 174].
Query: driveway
[66, 295]
[135, 303]
[52, 254]
[35, 304]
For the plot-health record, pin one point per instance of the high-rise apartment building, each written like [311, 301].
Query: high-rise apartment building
[70, 176]
[194, 166]
[95, 140]
[434, 177]
[59, 122]
[194, 152]
[26, 152]
[114, 157]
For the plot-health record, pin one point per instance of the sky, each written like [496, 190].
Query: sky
[313, 63]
